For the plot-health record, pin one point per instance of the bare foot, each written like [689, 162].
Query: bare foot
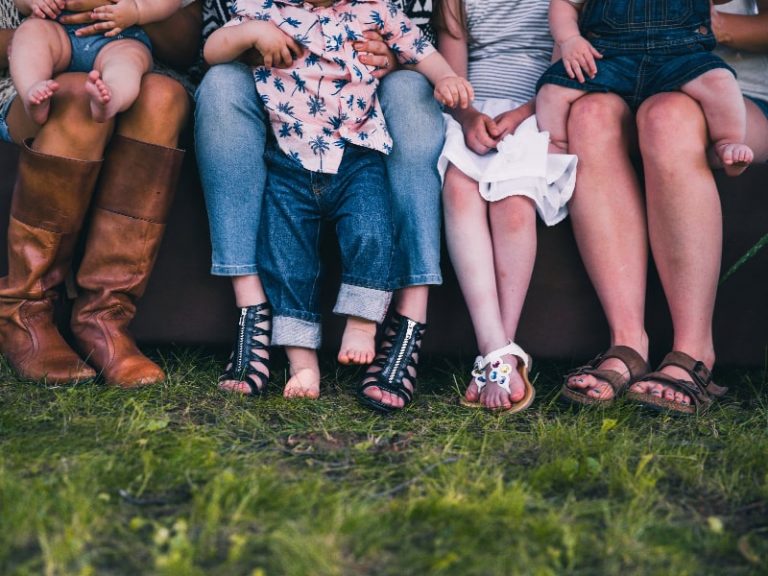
[594, 387]
[662, 390]
[103, 107]
[734, 157]
[305, 373]
[493, 396]
[358, 344]
[304, 383]
[38, 100]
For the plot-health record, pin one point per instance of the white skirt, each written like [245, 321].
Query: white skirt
[520, 166]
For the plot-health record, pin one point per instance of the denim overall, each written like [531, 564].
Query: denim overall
[648, 46]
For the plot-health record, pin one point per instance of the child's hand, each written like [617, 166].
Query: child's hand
[579, 57]
[46, 8]
[454, 92]
[481, 133]
[508, 121]
[277, 48]
[116, 17]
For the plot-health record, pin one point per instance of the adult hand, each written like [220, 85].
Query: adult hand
[82, 14]
[114, 18]
[579, 57]
[718, 25]
[375, 52]
[46, 8]
[276, 47]
[481, 133]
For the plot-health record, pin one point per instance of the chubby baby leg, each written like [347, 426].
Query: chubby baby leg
[114, 83]
[40, 49]
[553, 104]
[720, 98]
[305, 373]
[358, 345]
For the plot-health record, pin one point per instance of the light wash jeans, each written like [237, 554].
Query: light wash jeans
[231, 128]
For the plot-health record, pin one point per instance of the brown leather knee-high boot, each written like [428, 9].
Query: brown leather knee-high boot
[131, 206]
[50, 199]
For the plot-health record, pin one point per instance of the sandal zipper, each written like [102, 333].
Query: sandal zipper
[240, 339]
[411, 324]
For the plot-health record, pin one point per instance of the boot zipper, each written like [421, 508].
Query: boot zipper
[403, 345]
[240, 339]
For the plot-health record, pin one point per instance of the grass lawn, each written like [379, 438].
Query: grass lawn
[182, 479]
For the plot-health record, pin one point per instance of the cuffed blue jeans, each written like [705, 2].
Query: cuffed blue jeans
[296, 205]
[231, 128]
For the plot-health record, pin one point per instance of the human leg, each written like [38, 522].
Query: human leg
[131, 207]
[416, 124]
[115, 81]
[608, 217]
[40, 49]
[230, 119]
[289, 262]
[359, 207]
[719, 96]
[553, 105]
[685, 227]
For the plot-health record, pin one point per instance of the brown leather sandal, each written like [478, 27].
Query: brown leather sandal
[701, 388]
[619, 382]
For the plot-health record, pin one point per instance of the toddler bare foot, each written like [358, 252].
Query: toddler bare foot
[305, 373]
[103, 107]
[734, 157]
[304, 383]
[358, 344]
[38, 100]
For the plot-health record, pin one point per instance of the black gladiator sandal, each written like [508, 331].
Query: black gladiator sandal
[395, 363]
[252, 337]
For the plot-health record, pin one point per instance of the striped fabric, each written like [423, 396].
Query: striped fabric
[510, 47]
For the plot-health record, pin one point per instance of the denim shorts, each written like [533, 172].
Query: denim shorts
[86, 48]
[5, 135]
[638, 76]
[762, 104]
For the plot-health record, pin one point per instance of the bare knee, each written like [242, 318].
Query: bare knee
[514, 213]
[598, 122]
[671, 127]
[459, 190]
[48, 34]
[159, 113]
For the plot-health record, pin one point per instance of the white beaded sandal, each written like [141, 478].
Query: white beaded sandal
[499, 374]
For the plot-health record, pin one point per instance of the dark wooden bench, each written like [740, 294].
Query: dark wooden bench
[562, 317]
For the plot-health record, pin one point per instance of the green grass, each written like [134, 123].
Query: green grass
[182, 479]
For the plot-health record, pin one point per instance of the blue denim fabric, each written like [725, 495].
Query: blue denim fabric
[297, 203]
[648, 47]
[647, 25]
[762, 104]
[417, 127]
[230, 135]
[231, 129]
[5, 135]
[636, 77]
[86, 48]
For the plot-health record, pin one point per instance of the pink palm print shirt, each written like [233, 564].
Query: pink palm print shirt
[327, 98]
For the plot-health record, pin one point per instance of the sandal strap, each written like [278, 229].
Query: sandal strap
[247, 344]
[511, 349]
[701, 385]
[635, 364]
[482, 362]
[402, 342]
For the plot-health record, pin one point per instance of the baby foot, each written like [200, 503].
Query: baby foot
[734, 157]
[358, 344]
[38, 100]
[304, 383]
[103, 107]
